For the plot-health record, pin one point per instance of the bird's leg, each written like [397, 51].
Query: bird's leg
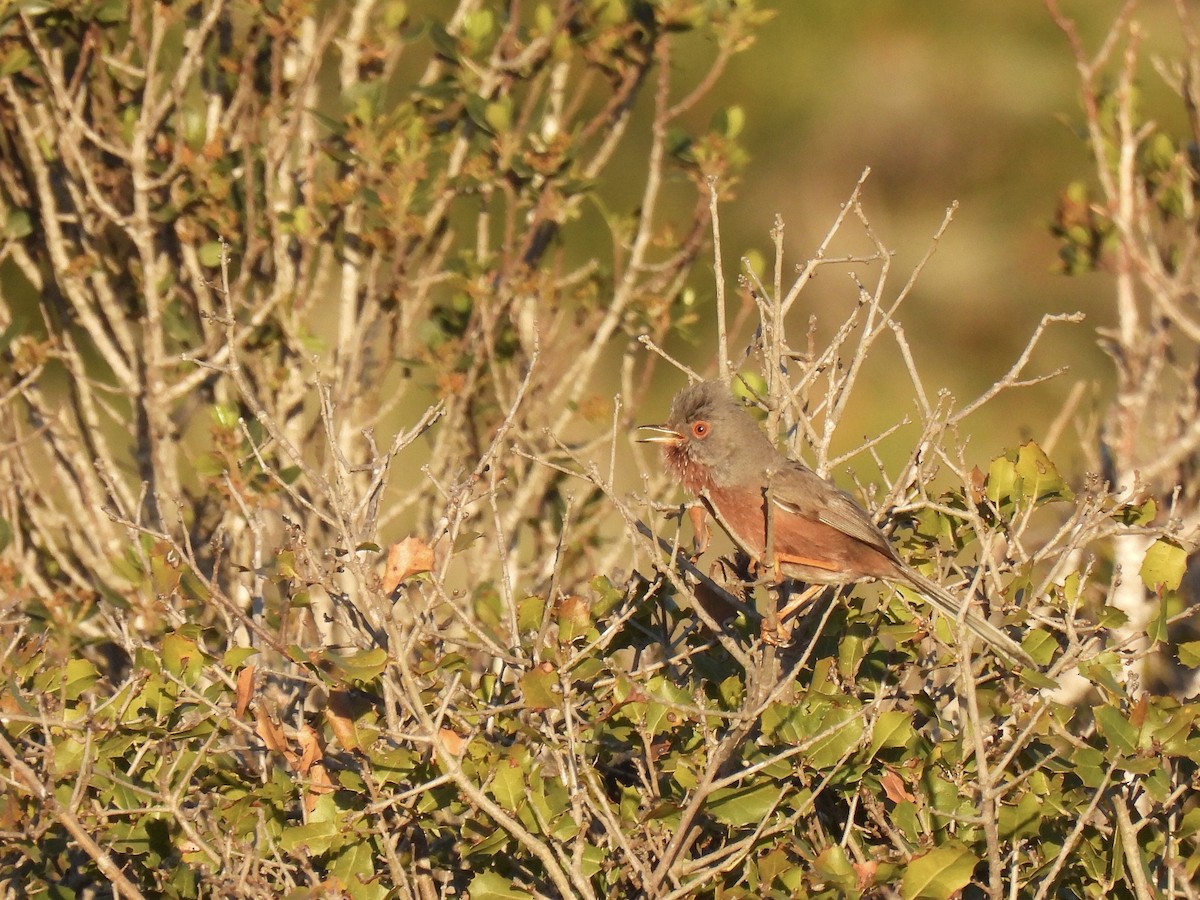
[701, 535]
[770, 619]
[782, 632]
[769, 560]
[813, 590]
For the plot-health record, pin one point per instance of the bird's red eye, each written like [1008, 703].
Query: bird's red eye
[700, 430]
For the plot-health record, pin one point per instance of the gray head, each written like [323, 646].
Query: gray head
[710, 440]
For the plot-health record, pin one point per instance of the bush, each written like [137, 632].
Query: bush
[330, 570]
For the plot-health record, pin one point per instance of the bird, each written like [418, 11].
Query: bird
[819, 534]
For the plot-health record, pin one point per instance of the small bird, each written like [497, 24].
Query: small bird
[819, 534]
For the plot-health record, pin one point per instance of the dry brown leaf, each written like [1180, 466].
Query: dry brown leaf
[866, 873]
[245, 689]
[407, 558]
[272, 735]
[1137, 715]
[318, 783]
[574, 609]
[452, 741]
[977, 484]
[893, 786]
[310, 744]
[337, 714]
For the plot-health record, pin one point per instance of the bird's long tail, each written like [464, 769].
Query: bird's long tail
[949, 605]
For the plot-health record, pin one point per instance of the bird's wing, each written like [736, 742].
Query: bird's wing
[798, 489]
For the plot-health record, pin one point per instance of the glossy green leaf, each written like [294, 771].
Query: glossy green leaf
[607, 596]
[490, 886]
[508, 785]
[1188, 654]
[182, 656]
[1120, 733]
[834, 865]
[1002, 480]
[529, 613]
[78, 677]
[315, 837]
[743, 805]
[938, 874]
[1040, 479]
[17, 223]
[1163, 566]
[540, 687]
[1020, 820]
[362, 666]
[893, 728]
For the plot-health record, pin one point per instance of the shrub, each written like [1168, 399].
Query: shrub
[330, 570]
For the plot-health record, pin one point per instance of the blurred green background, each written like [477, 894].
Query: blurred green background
[974, 102]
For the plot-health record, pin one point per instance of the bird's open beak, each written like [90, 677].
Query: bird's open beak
[662, 435]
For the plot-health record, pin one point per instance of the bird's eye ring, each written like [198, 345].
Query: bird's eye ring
[700, 430]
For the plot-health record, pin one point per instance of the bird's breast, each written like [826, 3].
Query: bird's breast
[691, 474]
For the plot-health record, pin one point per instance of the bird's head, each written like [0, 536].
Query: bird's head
[710, 440]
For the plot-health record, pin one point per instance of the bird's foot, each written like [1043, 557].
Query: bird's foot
[780, 635]
[796, 603]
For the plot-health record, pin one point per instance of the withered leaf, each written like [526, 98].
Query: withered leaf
[406, 558]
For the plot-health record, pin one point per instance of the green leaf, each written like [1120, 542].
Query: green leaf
[235, 656]
[851, 652]
[539, 687]
[1156, 627]
[1021, 820]
[1190, 824]
[316, 837]
[1137, 515]
[608, 596]
[939, 874]
[1039, 477]
[394, 14]
[747, 384]
[1105, 671]
[839, 743]
[1036, 679]
[1090, 766]
[355, 867]
[182, 657]
[490, 886]
[508, 785]
[225, 415]
[1189, 654]
[1163, 566]
[1040, 644]
[112, 11]
[210, 254]
[1111, 617]
[498, 115]
[893, 728]
[744, 804]
[835, 866]
[1001, 480]
[18, 223]
[593, 859]
[478, 24]
[14, 61]
[465, 540]
[730, 121]
[80, 674]
[363, 666]
[731, 691]
[1119, 730]
[529, 613]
